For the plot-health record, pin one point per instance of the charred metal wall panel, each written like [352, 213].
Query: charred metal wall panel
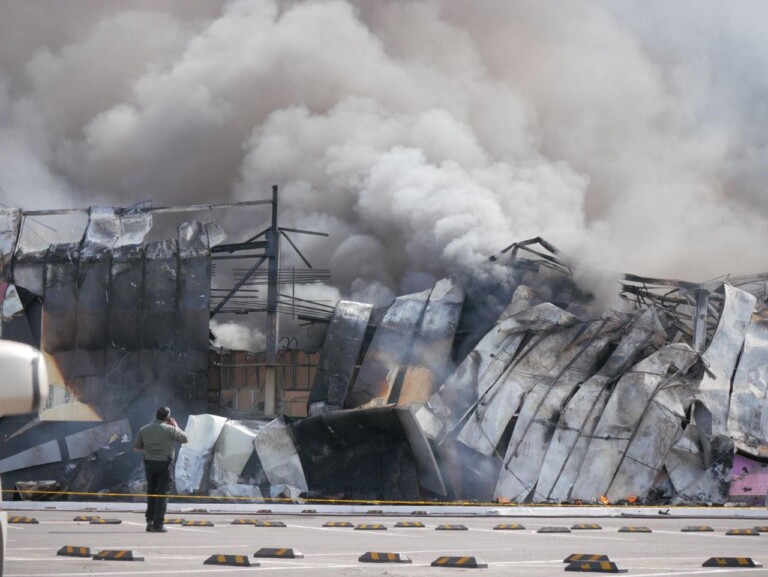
[430, 357]
[391, 344]
[126, 298]
[338, 360]
[126, 327]
[93, 289]
[60, 313]
[158, 319]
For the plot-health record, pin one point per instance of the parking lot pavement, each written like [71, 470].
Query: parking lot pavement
[333, 550]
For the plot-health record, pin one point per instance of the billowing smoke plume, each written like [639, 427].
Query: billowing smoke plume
[423, 135]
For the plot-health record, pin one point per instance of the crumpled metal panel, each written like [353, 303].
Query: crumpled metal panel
[91, 440]
[553, 329]
[40, 455]
[10, 224]
[685, 462]
[659, 428]
[215, 234]
[578, 421]
[711, 484]
[431, 352]
[10, 303]
[748, 414]
[711, 412]
[338, 359]
[232, 451]
[478, 371]
[110, 227]
[623, 413]
[390, 346]
[543, 404]
[196, 454]
[278, 455]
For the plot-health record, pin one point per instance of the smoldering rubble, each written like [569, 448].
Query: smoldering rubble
[557, 400]
[560, 401]
[537, 395]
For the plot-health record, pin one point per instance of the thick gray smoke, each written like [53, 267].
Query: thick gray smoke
[423, 135]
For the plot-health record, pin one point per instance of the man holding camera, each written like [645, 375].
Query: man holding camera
[158, 442]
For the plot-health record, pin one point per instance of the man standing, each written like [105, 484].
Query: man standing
[158, 442]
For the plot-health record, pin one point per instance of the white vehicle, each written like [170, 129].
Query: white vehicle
[23, 389]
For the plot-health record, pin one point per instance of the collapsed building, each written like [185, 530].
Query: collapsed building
[529, 391]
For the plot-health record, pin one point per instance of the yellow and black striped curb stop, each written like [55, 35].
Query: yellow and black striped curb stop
[375, 557]
[174, 521]
[761, 529]
[24, 520]
[309, 511]
[750, 532]
[197, 524]
[635, 530]
[463, 562]
[234, 560]
[554, 530]
[105, 521]
[345, 524]
[697, 529]
[73, 551]
[451, 528]
[730, 562]
[284, 553]
[416, 524]
[509, 527]
[375, 512]
[86, 518]
[595, 567]
[116, 555]
[585, 557]
[370, 527]
[244, 521]
[418, 512]
[586, 526]
[269, 524]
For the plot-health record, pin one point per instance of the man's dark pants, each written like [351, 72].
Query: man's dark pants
[159, 480]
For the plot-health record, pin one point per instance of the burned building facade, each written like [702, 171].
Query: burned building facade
[123, 325]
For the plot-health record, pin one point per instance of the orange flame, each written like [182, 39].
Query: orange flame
[631, 499]
[604, 500]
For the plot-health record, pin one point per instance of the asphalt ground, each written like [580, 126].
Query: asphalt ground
[332, 551]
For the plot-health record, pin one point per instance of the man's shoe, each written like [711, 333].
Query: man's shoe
[159, 530]
[149, 527]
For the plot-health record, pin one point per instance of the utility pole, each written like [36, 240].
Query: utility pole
[273, 255]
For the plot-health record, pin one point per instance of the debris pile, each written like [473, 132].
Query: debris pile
[557, 401]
